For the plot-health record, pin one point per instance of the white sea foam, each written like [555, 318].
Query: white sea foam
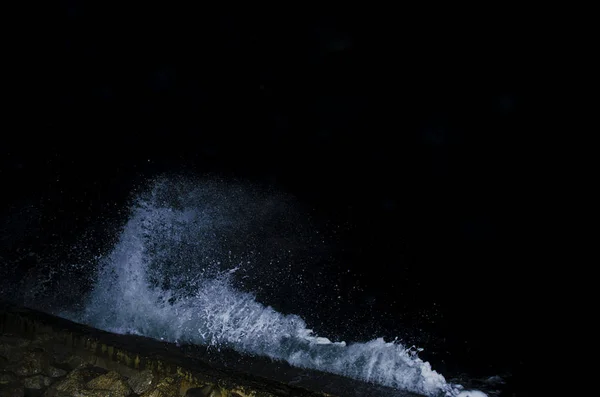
[471, 393]
[143, 287]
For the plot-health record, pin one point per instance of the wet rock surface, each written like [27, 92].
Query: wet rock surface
[37, 382]
[46, 356]
[111, 382]
[12, 390]
[142, 382]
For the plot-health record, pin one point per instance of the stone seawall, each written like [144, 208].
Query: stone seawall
[44, 355]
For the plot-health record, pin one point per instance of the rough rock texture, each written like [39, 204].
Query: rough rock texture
[46, 356]
[74, 382]
[32, 363]
[206, 391]
[142, 382]
[37, 382]
[3, 362]
[8, 377]
[54, 372]
[12, 390]
[112, 382]
[165, 388]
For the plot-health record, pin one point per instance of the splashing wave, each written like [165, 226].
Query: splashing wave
[163, 279]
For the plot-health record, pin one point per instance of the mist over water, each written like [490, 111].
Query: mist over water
[186, 267]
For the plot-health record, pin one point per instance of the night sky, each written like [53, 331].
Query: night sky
[404, 142]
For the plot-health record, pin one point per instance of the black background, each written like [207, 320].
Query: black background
[409, 139]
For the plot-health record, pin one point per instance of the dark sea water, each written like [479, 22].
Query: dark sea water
[229, 264]
[342, 192]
